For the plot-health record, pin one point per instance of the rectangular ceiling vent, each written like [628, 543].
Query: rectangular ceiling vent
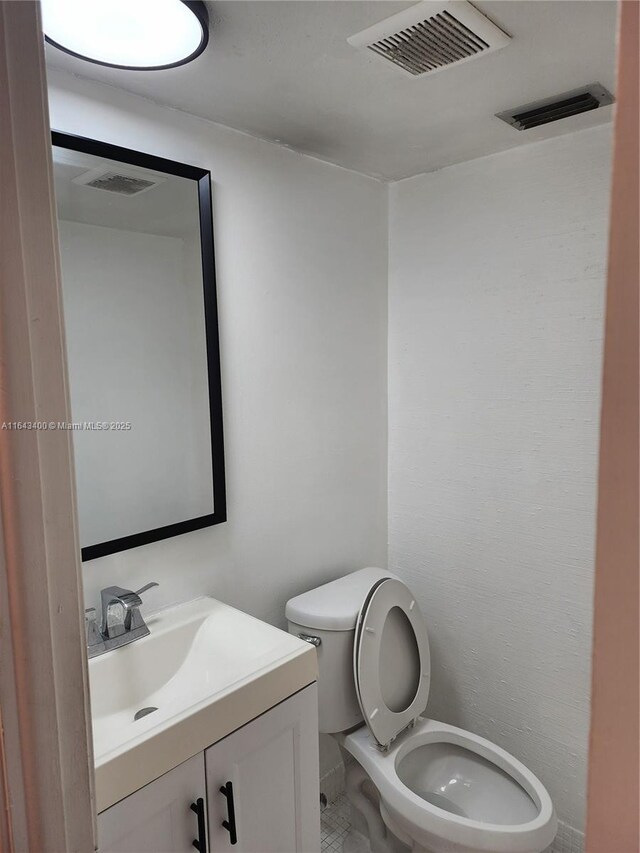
[431, 36]
[561, 106]
[117, 182]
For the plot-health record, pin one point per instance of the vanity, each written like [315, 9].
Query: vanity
[205, 736]
[205, 731]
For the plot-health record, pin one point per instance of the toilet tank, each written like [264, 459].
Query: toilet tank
[329, 613]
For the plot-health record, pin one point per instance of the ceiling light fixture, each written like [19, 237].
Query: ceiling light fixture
[141, 35]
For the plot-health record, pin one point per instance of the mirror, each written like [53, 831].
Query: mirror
[138, 282]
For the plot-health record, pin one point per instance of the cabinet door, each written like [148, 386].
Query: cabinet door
[157, 818]
[272, 764]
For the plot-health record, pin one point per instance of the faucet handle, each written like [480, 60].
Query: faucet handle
[134, 618]
[146, 587]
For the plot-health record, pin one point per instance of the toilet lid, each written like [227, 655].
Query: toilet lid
[391, 662]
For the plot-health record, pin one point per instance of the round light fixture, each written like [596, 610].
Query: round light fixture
[141, 35]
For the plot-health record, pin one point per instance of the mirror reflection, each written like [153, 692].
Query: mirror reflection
[134, 305]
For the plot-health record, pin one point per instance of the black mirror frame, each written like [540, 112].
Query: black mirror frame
[203, 179]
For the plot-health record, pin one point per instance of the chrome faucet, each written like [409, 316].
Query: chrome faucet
[121, 621]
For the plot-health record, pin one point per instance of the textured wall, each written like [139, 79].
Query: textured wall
[497, 270]
[301, 257]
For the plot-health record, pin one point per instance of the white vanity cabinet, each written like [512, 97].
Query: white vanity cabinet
[157, 818]
[269, 771]
[262, 782]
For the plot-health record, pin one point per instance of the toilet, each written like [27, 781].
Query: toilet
[416, 784]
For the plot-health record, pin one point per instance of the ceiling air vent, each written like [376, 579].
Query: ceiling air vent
[561, 106]
[117, 182]
[431, 36]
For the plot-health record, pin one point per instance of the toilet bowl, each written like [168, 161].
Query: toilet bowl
[445, 789]
[437, 788]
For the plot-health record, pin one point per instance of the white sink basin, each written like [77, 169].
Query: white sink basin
[206, 669]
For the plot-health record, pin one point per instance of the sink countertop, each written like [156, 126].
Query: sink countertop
[206, 669]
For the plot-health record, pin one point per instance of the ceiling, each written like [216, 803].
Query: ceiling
[282, 70]
[169, 209]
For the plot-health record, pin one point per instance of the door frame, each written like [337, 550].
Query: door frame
[613, 791]
[46, 761]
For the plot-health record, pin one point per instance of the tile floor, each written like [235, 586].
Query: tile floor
[335, 824]
[568, 840]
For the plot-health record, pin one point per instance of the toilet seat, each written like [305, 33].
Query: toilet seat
[433, 828]
[391, 661]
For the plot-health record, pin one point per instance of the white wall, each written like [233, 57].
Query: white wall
[136, 352]
[497, 272]
[301, 256]
[496, 287]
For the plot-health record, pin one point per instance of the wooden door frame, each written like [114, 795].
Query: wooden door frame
[612, 815]
[46, 762]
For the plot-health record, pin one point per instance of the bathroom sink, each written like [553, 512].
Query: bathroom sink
[204, 670]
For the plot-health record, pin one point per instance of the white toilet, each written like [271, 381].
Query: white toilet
[435, 787]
